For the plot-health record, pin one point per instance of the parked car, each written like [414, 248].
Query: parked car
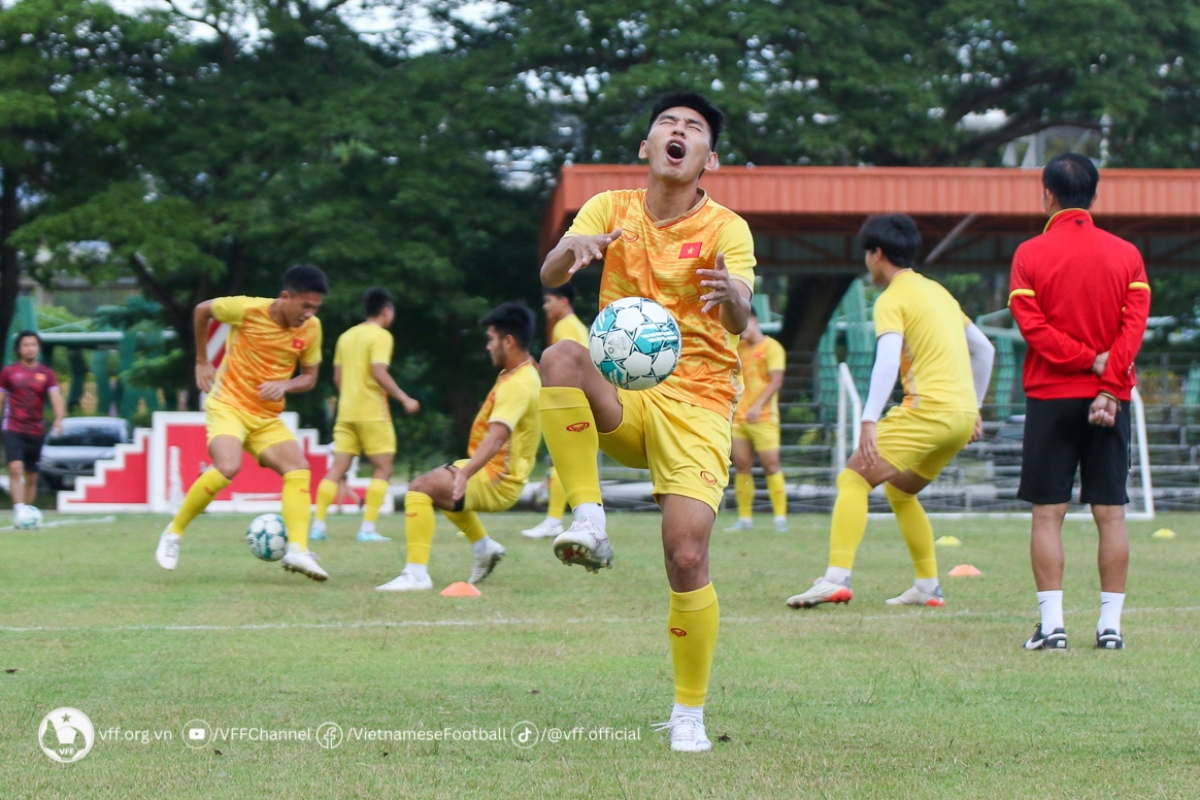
[74, 452]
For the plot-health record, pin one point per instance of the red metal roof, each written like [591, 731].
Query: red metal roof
[830, 198]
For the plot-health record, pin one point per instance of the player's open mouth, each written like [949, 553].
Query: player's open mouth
[676, 150]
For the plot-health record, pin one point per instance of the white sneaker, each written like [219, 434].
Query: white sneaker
[912, 596]
[781, 524]
[167, 554]
[484, 564]
[823, 591]
[741, 525]
[585, 544]
[406, 582]
[544, 529]
[304, 562]
[687, 734]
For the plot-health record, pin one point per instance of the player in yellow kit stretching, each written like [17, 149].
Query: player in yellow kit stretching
[671, 243]
[501, 452]
[558, 303]
[946, 363]
[756, 424]
[364, 421]
[246, 396]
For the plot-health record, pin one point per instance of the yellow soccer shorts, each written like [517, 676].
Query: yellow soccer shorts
[685, 447]
[256, 433]
[372, 438]
[762, 436]
[923, 440]
[484, 494]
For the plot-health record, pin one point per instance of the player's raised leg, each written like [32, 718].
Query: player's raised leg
[286, 458]
[327, 491]
[577, 404]
[743, 466]
[226, 453]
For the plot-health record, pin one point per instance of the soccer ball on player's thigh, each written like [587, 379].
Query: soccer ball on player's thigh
[635, 343]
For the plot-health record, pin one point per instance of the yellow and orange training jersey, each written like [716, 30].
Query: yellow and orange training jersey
[658, 259]
[571, 329]
[259, 350]
[758, 362]
[513, 402]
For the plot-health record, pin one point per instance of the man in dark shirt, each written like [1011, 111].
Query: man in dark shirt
[24, 385]
[1080, 297]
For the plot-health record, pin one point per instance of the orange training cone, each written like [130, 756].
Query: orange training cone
[460, 589]
[964, 571]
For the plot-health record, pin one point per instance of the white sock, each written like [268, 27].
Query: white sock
[418, 571]
[552, 520]
[481, 547]
[1052, 613]
[682, 711]
[317, 525]
[594, 513]
[366, 527]
[781, 518]
[926, 585]
[839, 575]
[17, 507]
[1111, 604]
[746, 520]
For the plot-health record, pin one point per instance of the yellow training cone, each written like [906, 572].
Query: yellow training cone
[1163, 533]
[964, 571]
[949, 541]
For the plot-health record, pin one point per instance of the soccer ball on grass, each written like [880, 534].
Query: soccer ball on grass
[267, 537]
[27, 518]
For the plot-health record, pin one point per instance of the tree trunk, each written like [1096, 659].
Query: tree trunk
[10, 277]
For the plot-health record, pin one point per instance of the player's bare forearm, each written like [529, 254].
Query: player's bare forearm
[573, 253]
[337, 375]
[201, 316]
[735, 314]
[379, 372]
[305, 381]
[492, 443]
[774, 386]
[555, 266]
[58, 404]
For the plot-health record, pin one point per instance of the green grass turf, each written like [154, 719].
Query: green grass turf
[858, 701]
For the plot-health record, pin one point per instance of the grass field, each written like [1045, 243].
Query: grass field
[857, 701]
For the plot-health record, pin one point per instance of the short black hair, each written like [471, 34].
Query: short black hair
[376, 300]
[895, 234]
[305, 278]
[566, 291]
[513, 319]
[1072, 178]
[696, 102]
[22, 335]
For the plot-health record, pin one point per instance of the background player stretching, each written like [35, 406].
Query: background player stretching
[671, 243]
[364, 421]
[268, 339]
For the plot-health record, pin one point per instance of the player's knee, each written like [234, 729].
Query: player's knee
[561, 362]
[383, 472]
[229, 469]
[421, 483]
[687, 558]
[16, 469]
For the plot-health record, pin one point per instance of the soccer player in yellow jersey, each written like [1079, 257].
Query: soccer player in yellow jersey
[672, 243]
[946, 363]
[756, 424]
[269, 338]
[364, 421]
[501, 452]
[563, 326]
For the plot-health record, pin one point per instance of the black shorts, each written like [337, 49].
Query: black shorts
[1058, 438]
[23, 447]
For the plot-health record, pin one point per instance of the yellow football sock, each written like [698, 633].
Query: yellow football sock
[468, 522]
[778, 492]
[917, 531]
[693, 623]
[202, 492]
[296, 501]
[849, 518]
[745, 494]
[326, 491]
[419, 524]
[574, 444]
[558, 496]
[376, 491]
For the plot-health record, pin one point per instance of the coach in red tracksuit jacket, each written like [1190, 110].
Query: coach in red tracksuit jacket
[1081, 298]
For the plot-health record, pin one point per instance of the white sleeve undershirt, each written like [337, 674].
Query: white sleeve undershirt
[983, 354]
[883, 375]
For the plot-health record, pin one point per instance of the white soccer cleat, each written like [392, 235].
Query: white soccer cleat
[304, 562]
[407, 582]
[913, 596]
[823, 591]
[167, 554]
[585, 544]
[781, 524]
[485, 563]
[687, 734]
[544, 529]
[741, 525]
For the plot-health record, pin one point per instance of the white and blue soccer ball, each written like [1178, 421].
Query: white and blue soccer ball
[267, 537]
[27, 518]
[635, 343]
